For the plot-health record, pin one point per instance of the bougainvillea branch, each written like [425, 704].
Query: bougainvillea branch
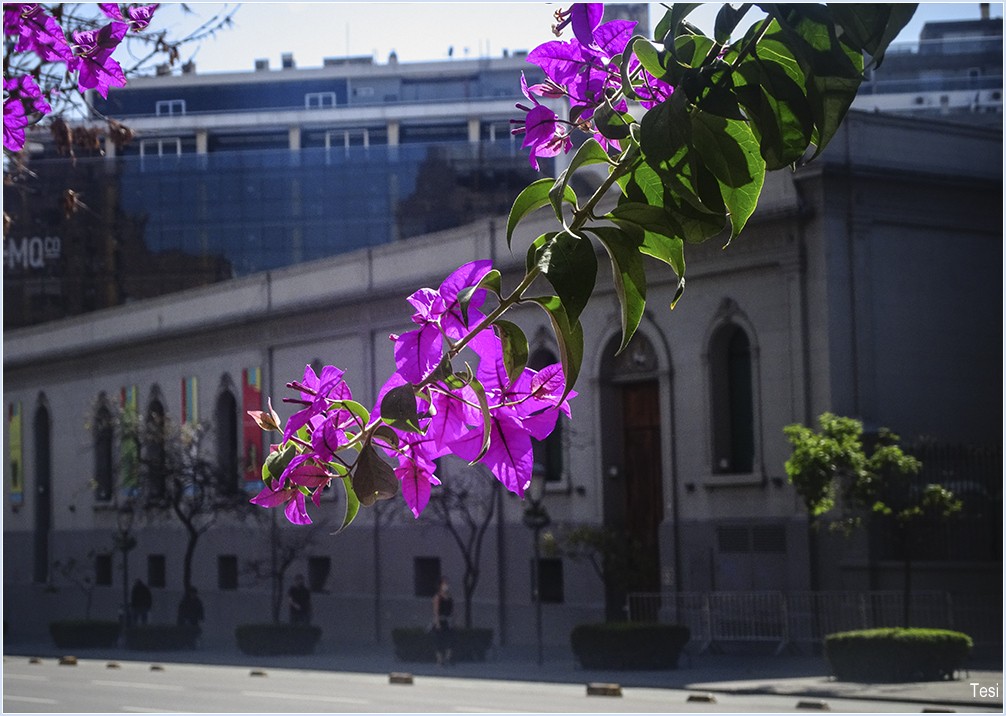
[686, 127]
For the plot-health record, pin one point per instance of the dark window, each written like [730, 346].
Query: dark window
[427, 575]
[43, 492]
[103, 475]
[734, 540]
[550, 581]
[227, 571]
[156, 570]
[318, 569]
[103, 570]
[732, 401]
[226, 420]
[768, 539]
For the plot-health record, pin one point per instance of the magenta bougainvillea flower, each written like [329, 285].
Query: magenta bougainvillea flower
[38, 32]
[97, 69]
[23, 97]
[543, 133]
[315, 394]
[440, 316]
[136, 16]
[525, 409]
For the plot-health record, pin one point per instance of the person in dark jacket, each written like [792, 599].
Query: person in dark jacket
[443, 610]
[140, 602]
[299, 600]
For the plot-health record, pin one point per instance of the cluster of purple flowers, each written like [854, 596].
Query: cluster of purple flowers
[585, 71]
[487, 418]
[88, 53]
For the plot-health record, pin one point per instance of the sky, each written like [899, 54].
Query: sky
[415, 31]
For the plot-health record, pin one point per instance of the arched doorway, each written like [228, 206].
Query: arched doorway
[633, 479]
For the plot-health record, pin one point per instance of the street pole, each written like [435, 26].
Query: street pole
[536, 576]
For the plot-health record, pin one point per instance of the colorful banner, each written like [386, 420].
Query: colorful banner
[190, 400]
[15, 464]
[251, 399]
[129, 448]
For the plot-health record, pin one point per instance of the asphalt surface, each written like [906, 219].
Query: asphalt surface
[978, 687]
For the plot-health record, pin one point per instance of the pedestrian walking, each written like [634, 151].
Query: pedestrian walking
[443, 610]
[299, 600]
[140, 602]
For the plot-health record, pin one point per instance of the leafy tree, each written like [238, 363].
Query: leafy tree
[832, 469]
[618, 561]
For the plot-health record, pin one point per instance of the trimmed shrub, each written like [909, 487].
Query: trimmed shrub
[84, 633]
[629, 645]
[896, 654]
[162, 637]
[416, 644]
[277, 639]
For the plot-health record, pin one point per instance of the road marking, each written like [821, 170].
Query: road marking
[26, 677]
[143, 710]
[483, 710]
[138, 685]
[304, 697]
[29, 699]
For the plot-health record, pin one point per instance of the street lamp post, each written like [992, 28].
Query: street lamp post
[536, 518]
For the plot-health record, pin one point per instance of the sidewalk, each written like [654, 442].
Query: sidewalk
[799, 676]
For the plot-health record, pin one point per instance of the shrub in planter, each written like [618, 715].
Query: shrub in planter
[629, 645]
[896, 654]
[416, 644]
[277, 639]
[162, 637]
[84, 633]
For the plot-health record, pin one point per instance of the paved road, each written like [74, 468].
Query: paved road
[92, 686]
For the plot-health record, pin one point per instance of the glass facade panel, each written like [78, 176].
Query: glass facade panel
[158, 224]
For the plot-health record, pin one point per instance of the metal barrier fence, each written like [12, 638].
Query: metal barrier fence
[794, 618]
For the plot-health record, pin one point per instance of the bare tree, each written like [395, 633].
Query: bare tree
[464, 505]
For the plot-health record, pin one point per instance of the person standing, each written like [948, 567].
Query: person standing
[299, 599]
[443, 610]
[140, 602]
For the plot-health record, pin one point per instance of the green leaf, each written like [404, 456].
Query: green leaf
[653, 59]
[665, 129]
[533, 197]
[277, 462]
[726, 21]
[388, 436]
[731, 152]
[373, 478]
[491, 281]
[611, 123]
[670, 25]
[628, 275]
[352, 505]
[515, 348]
[779, 111]
[871, 27]
[570, 265]
[398, 407]
[569, 336]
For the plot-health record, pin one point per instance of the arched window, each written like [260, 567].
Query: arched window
[104, 470]
[733, 432]
[548, 453]
[226, 428]
[43, 491]
[155, 458]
